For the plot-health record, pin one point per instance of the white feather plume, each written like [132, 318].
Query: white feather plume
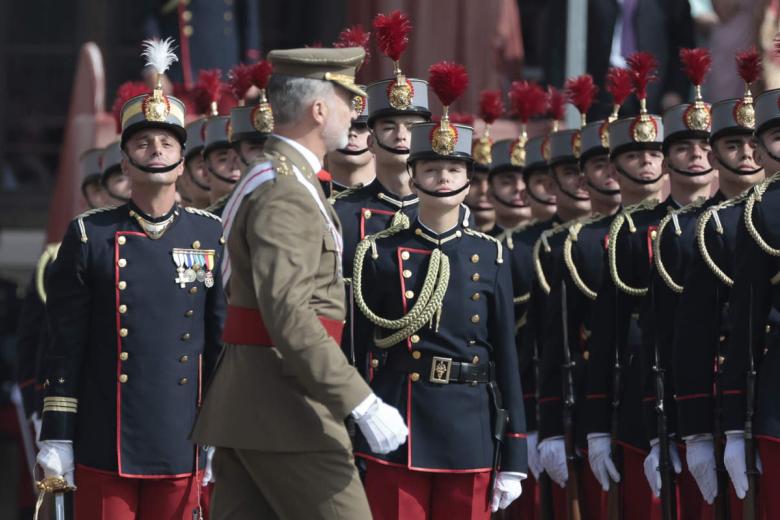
[159, 54]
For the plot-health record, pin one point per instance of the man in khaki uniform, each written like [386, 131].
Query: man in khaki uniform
[276, 407]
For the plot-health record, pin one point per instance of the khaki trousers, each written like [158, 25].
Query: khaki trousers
[265, 485]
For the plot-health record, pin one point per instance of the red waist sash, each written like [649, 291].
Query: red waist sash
[244, 326]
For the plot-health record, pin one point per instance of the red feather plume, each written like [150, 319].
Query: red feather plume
[125, 93]
[261, 73]
[240, 80]
[491, 106]
[557, 103]
[581, 91]
[749, 65]
[227, 99]
[354, 36]
[528, 99]
[210, 84]
[187, 97]
[620, 84]
[643, 66]
[462, 118]
[448, 81]
[696, 64]
[392, 33]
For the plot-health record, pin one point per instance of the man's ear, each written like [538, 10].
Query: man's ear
[319, 111]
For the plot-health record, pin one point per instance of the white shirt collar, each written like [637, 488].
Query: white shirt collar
[314, 162]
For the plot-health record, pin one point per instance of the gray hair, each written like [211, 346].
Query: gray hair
[290, 96]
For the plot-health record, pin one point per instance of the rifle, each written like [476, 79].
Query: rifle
[613, 495]
[545, 485]
[668, 495]
[572, 484]
[721, 506]
[749, 504]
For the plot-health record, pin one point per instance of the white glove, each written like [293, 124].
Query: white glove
[552, 453]
[208, 474]
[534, 464]
[600, 458]
[734, 460]
[700, 456]
[36, 424]
[381, 425]
[56, 460]
[653, 460]
[507, 489]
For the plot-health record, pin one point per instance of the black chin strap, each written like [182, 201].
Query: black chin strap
[195, 181]
[768, 152]
[539, 199]
[441, 194]
[157, 169]
[396, 151]
[628, 176]
[603, 191]
[509, 204]
[735, 171]
[686, 173]
[346, 151]
[220, 177]
[568, 194]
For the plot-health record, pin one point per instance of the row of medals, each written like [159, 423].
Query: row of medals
[196, 272]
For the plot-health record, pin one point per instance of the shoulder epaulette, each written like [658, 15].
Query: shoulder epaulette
[49, 255]
[614, 230]
[755, 196]
[280, 164]
[93, 211]
[346, 193]
[701, 234]
[543, 241]
[568, 258]
[673, 217]
[204, 212]
[506, 235]
[220, 202]
[485, 236]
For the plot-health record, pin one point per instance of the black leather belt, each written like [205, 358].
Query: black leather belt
[442, 370]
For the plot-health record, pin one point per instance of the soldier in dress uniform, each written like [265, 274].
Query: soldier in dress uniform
[491, 107]
[636, 154]
[353, 165]
[507, 191]
[221, 161]
[135, 308]
[194, 178]
[439, 297]
[281, 357]
[91, 188]
[749, 400]
[700, 324]
[114, 180]
[686, 160]
[251, 125]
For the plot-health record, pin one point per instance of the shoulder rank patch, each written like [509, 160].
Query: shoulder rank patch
[203, 213]
[90, 212]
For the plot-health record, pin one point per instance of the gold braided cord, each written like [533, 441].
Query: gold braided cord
[543, 240]
[701, 242]
[429, 302]
[659, 264]
[507, 233]
[755, 196]
[614, 230]
[484, 236]
[568, 259]
[523, 298]
[49, 255]
[346, 193]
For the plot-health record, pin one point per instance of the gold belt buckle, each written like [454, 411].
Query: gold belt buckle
[440, 370]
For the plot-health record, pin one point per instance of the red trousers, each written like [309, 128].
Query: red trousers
[638, 500]
[106, 496]
[401, 494]
[768, 495]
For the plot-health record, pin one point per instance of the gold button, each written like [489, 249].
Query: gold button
[122, 262]
[122, 285]
[121, 240]
[415, 338]
[405, 255]
[653, 234]
[189, 313]
[409, 294]
[768, 329]
[193, 290]
[415, 376]
[185, 336]
[475, 360]
[416, 354]
[475, 318]
[586, 355]
[196, 244]
[418, 231]
[721, 360]
[184, 359]
[367, 213]
[123, 356]
[374, 363]
[188, 31]
[474, 259]
[123, 378]
[123, 332]
[183, 381]
[122, 309]
[221, 240]
[475, 296]
[472, 342]
[475, 277]
[186, 16]
[407, 273]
